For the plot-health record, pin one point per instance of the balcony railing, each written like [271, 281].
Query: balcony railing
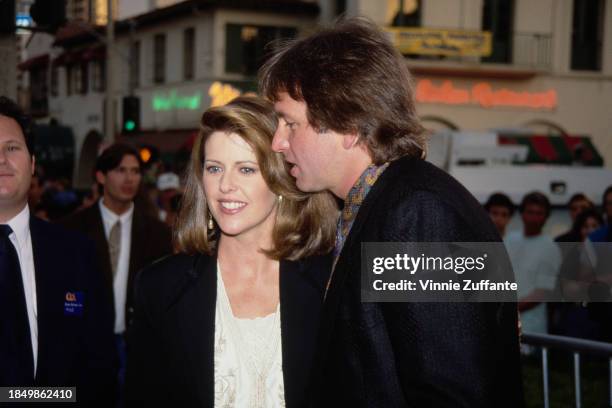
[532, 50]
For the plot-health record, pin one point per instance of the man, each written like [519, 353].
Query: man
[576, 204]
[348, 125]
[600, 254]
[126, 239]
[604, 234]
[168, 185]
[55, 320]
[36, 191]
[536, 260]
[500, 209]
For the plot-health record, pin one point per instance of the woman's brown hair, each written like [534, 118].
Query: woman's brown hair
[305, 222]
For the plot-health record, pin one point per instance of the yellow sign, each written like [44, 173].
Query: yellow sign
[221, 94]
[432, 41]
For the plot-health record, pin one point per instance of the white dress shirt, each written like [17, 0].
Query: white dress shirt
[109, 218]
[22, 241]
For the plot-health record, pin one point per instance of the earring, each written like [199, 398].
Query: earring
[210, 222]
[280, 199]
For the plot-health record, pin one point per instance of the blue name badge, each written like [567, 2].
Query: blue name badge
[73, 304]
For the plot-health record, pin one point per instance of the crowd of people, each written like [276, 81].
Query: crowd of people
[242, 288]
[544, 266]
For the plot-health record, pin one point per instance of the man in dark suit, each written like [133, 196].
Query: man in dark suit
[56, 322]
[125, 237]
[348, 124]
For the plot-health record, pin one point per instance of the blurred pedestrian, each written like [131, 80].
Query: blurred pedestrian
[604, 234]
[574, 319]
[91, 196]
[500, 209]
[168, 185]
[56, 325]
[36, 190]
[598, 244]
[126, 239]
[173, 211]
[577, 204]
[536, 260]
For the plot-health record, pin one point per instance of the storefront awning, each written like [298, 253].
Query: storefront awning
[562, 150]
[170, 140]
[34, 62]
[70, 57]
[96, 53]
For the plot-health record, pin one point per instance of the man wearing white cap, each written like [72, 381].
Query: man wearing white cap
[169, 186]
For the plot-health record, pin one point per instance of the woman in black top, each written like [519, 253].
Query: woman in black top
[232, 319]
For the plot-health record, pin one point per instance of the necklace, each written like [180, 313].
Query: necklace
[255, 344]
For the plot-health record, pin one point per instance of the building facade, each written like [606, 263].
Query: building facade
[544, 67]
[178, 60]
[549, 69]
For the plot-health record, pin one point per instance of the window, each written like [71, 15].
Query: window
[38, 88]
[69, 79]
[340, 7]
[135, 64]
[498, 17]
[188, 52]
[245, 46]
[76, 79]
[407, 14]
[98, 76]
[83, 81]
[159, 58]
[587, 35]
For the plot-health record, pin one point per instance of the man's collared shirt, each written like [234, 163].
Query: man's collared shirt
[353, 202]
[109, 219]
[22, 241]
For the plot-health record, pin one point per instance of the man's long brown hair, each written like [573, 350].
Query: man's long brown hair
[352, 80]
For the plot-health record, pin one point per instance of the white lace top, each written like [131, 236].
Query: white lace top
[248, 359]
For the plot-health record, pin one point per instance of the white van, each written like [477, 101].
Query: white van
[516, 162]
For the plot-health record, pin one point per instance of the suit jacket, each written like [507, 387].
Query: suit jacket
[151, 240]
[73, 350]
[171, 341]
[415, 354]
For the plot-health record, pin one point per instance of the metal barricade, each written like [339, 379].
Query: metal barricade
[575, 346]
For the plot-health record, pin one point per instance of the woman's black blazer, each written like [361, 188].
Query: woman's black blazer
[171, 339]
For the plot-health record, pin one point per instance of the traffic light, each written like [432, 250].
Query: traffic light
[48, 15]
[7, 16]
[148, 154]
[131, 115]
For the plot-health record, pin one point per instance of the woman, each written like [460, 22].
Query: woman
[576, 277]
[232, 319]
[586, 222]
